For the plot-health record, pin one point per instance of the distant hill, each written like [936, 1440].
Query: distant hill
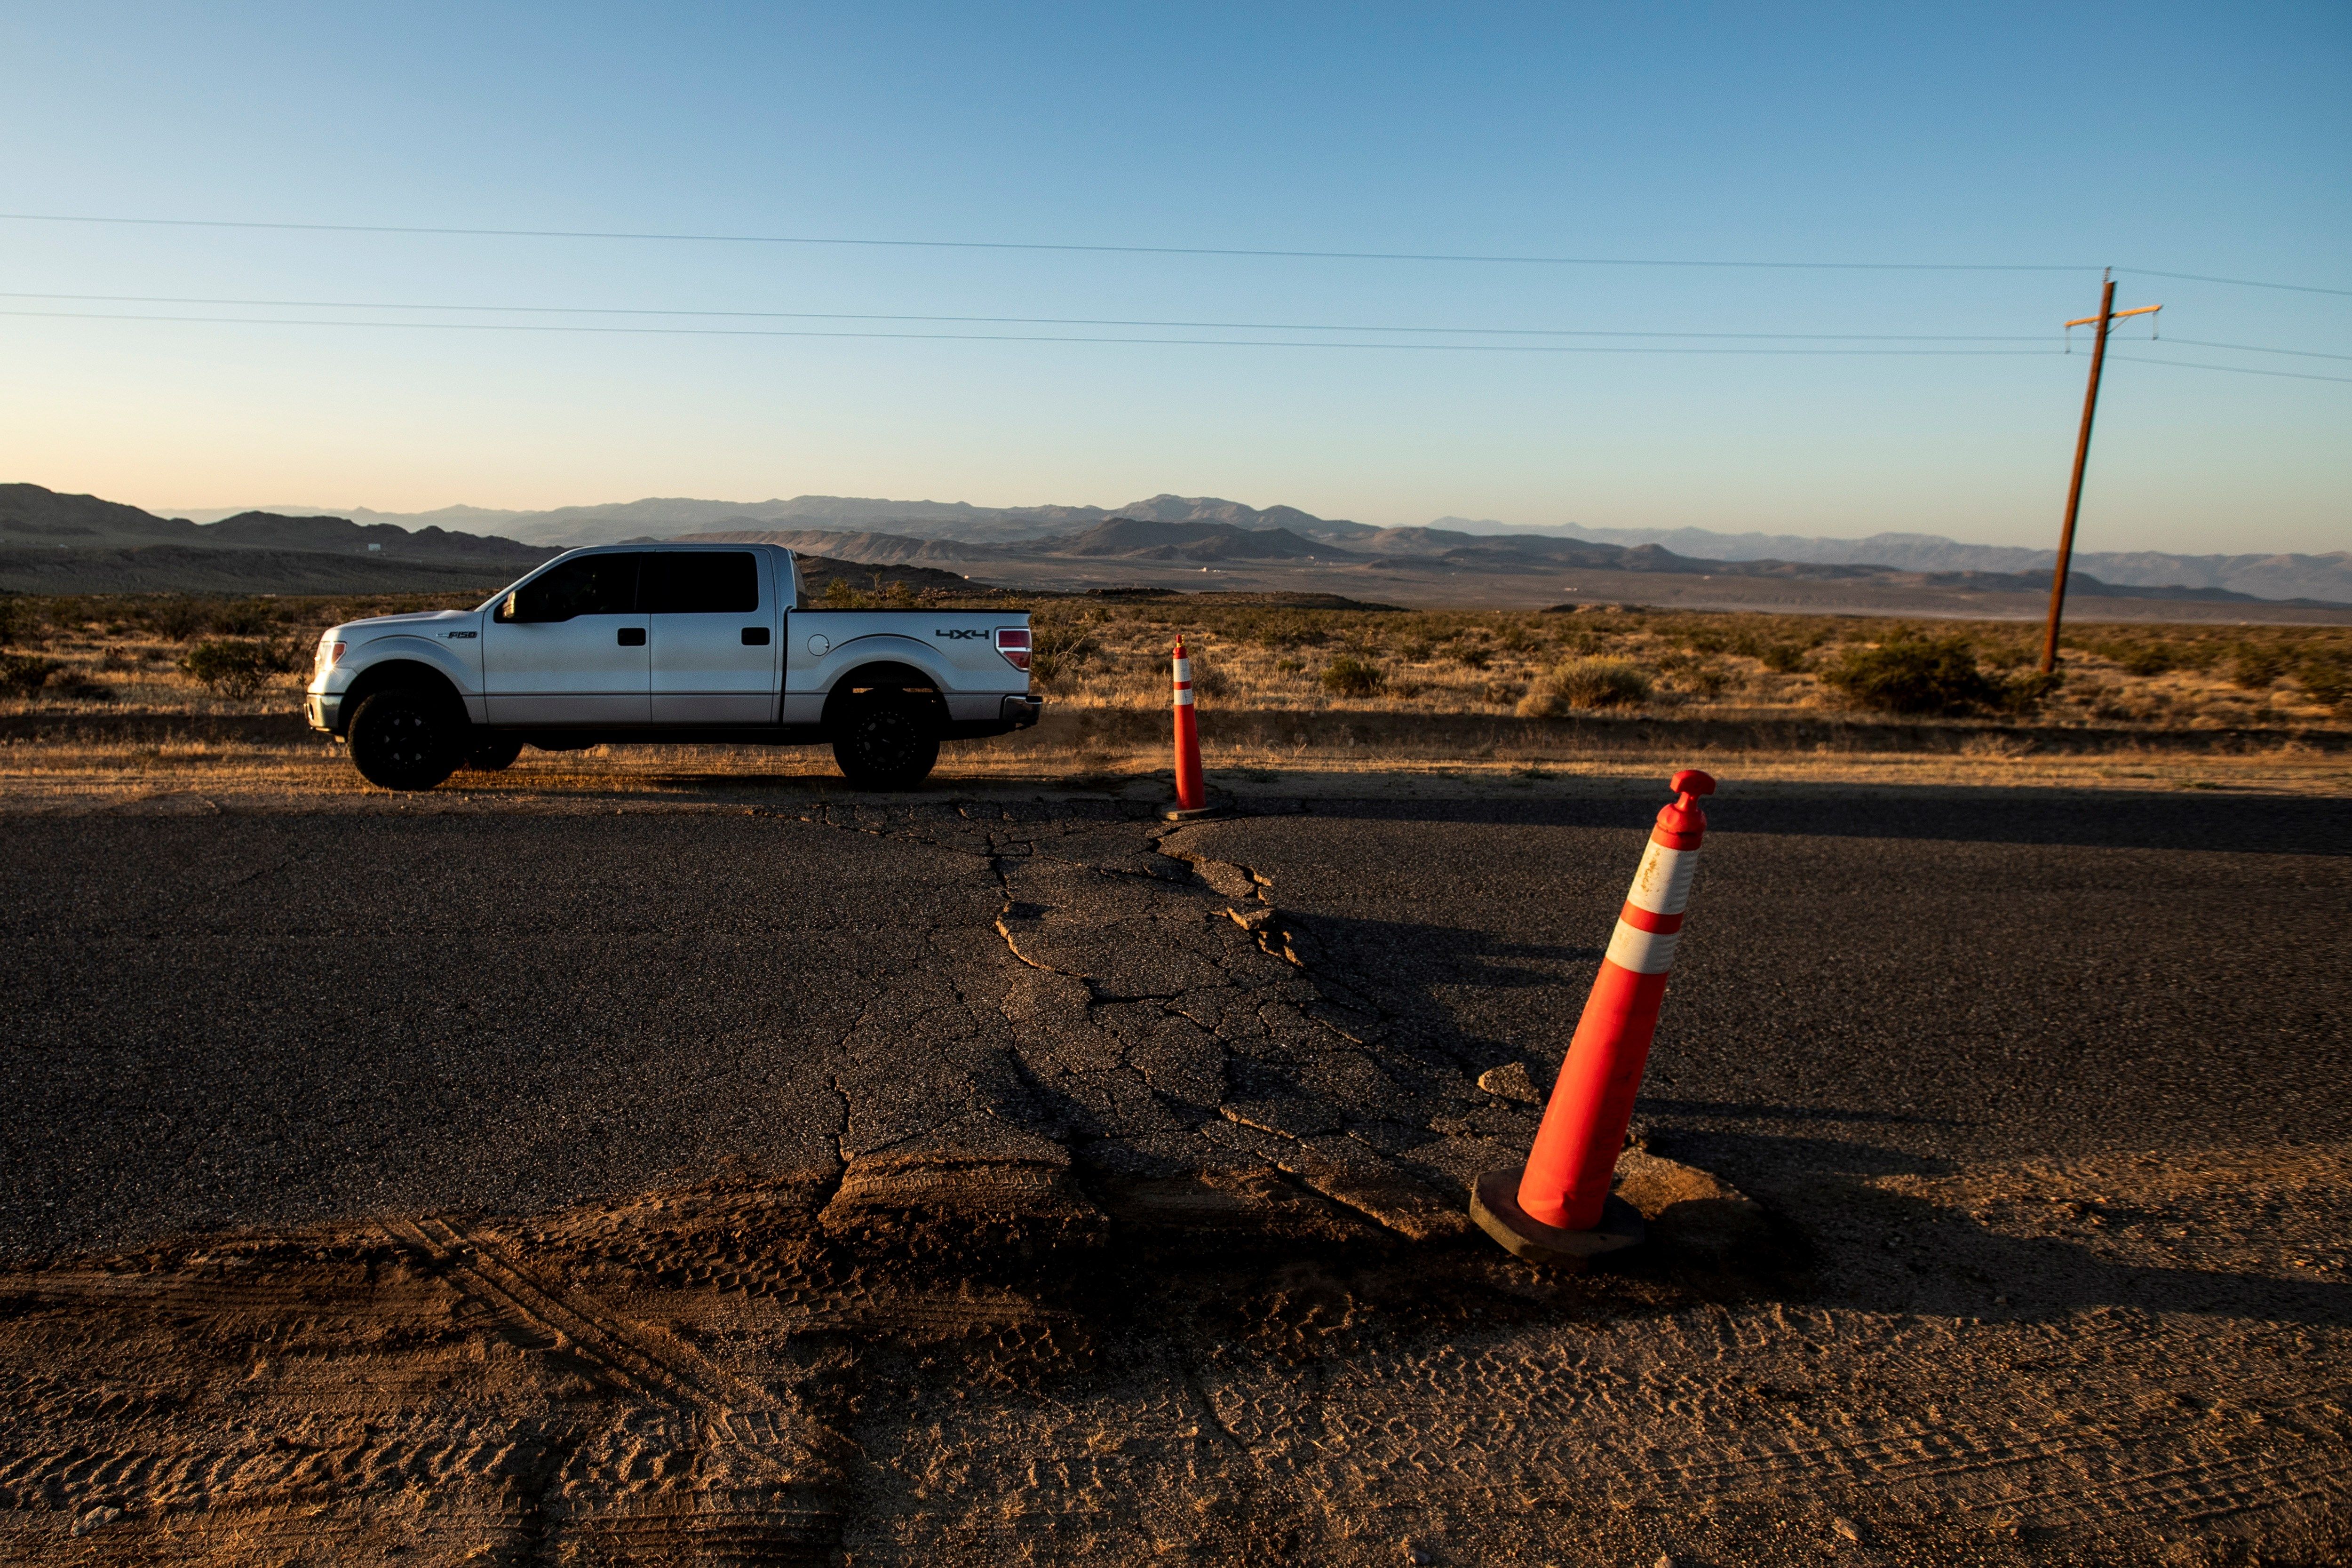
[58, 543]
[1419, 553]
[880, 549]
[1147, 540]
[2263, 575]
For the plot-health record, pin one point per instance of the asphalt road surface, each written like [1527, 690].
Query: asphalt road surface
[948, 1181]
[228, 1020]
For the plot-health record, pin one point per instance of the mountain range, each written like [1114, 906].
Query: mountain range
[58, 542]
[2261, 574]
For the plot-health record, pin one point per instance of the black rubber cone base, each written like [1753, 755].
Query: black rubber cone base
[1494, 1204]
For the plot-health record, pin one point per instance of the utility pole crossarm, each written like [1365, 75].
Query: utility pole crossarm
[2120, 315]
[2107, 318]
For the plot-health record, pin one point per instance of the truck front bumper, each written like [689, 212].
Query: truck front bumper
[324, 709]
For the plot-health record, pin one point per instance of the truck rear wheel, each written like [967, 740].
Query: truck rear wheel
[887, 744]
[495, 756]
[404, 739]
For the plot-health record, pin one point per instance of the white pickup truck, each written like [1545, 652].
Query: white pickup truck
[666, 643]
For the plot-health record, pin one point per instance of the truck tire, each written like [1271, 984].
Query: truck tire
[403, 738]
[494, 755]
[883, 743]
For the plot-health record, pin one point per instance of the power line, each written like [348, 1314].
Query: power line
[2256, 349]
[1028, 320]
[1031, 244]
[984, 337]
[1264, 252]
[2235, 369]
[2238, 282]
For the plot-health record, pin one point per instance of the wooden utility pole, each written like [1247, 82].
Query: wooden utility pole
[2109, 315]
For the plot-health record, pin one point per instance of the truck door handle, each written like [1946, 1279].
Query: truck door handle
[755, 636]
[632, 637]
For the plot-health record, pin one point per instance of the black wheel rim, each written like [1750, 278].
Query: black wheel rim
[887, 743]
[407, 740]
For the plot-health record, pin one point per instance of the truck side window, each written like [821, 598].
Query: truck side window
[702, 583]
[590, 586]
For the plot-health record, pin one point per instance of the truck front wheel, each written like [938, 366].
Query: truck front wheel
[886, 744]
[403, 739]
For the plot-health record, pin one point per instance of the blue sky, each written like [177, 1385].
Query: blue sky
[2205, 140]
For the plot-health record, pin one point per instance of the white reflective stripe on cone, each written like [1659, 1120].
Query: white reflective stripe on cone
[1642, 951]
[1183, 696]
[1662, 884]
[1183, 669]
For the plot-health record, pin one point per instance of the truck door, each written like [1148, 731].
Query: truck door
[570, 647]
[715, 642]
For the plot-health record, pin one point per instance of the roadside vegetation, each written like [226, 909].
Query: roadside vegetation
[1631, 662]
[1107, 654]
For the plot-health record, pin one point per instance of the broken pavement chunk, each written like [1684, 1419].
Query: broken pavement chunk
[1511, 1081]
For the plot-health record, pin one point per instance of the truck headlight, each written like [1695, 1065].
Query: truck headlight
[329, 652]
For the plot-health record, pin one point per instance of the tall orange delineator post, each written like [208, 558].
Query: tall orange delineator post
[1557, 1208]
[1191, 789]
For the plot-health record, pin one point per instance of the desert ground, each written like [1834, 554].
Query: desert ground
[666, 1154]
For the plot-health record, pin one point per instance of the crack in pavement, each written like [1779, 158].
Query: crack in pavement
[1161, 1017]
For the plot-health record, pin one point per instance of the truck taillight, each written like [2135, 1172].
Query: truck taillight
[327, 653]
[1012, 642]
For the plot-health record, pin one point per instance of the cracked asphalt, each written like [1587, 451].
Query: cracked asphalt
[952, 1180]
[228, 1020]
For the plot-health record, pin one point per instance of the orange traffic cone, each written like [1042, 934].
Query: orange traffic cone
[1191, 789]
[1557, 1208]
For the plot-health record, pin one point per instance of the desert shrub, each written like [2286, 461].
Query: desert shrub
[2141, 658]
[840, 595]
[1472, 657]
[1059, 651]
[1582, 640]
[2326, 678]
[899, 596]
[245, 618]
[1586, 683]
[8, 619]
[1787, 658]
[2007, 655]
[1912, 674]
[1348, 676]
[2024, 693]
[2200, 656]
[178, 619]
[1502, 693]
[2255, 668]
[23, 674]
[1702, 677]
[1288, 628]
[237, 666]
[1416, 651]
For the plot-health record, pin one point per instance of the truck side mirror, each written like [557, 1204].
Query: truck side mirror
[508, 610]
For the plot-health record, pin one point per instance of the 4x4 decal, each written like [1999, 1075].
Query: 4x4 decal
[959, 635]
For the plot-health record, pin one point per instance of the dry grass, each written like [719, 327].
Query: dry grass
[1460, 704]
[1685, 665]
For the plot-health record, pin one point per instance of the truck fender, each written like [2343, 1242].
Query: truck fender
[412, 661]
[883, 659]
